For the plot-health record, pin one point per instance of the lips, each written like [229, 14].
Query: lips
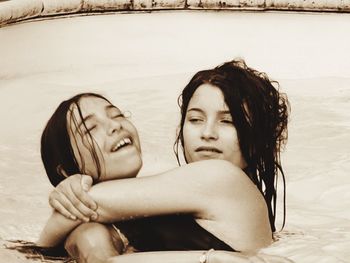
[123, 142]
[208, 149]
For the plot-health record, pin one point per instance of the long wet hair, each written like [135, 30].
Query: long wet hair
[56, 148]
[260, 116]
[59, 160]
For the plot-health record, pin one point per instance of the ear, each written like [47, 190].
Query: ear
[61, 171]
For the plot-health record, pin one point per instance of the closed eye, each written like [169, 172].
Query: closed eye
[90, 129]
[195, 120]
[121, 115]
[227, 121]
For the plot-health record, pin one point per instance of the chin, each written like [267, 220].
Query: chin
[129, 169]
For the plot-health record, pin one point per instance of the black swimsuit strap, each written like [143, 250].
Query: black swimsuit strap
[173, 232]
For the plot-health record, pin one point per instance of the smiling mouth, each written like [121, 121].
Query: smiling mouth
[208, 149]
[124, 142]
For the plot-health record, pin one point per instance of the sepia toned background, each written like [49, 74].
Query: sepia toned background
[141, 61]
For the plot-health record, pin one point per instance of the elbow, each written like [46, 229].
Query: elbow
[256, 231]
[252, 241]
[232, 188]
[255, 244]
[254, 247]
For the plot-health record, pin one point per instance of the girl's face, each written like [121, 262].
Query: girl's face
[115, 139]
[208, 130]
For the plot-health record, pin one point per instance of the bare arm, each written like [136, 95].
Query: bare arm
[220, 196]
[94, 242]
[182, 190]
[194, 256]
[56, 230]
[195, 188]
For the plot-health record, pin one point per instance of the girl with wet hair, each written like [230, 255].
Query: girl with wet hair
[259, 114]
[226, 192]
[59, 153]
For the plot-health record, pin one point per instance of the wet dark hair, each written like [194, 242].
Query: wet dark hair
[57, 156]
[260, 116]
[56, 148]
[37, 253]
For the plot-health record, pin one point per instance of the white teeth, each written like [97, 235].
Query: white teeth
[121, 143]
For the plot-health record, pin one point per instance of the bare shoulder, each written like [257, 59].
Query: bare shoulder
[218, 169]
[236, 211]
[226, 178]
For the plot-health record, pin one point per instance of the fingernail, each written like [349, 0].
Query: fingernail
[86, 219]
[94, 217]
[93, 206]
[85, 187]
[73, 217]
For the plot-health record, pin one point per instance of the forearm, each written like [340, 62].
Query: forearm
[56, 230]
[117, 202]
[194, 188]
[161, 257]
[214, 191]
[186, 257]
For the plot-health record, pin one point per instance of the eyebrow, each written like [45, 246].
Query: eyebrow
[222, 112]
[110, 106]
[195, 109]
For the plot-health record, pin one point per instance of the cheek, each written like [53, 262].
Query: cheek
[229, 134]
[189, 133]
[85, 153]
[133, 132]
[187, 137]
[137, 142]
[188, 140]
[230, 140]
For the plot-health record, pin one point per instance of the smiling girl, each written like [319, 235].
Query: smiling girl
[232, 113]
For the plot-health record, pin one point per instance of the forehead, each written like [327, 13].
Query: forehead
[208, 96]
[91, 106]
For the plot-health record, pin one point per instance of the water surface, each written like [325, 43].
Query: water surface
[141, 63]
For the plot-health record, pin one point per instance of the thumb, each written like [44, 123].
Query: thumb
[86, 182]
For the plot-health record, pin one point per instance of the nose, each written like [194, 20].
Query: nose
[209, 131]
[114, 126]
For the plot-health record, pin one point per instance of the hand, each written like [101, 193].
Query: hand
[236, 257]
[70, 198]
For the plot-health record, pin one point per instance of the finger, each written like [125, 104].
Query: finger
[62, 171]
[62, 210]
[86, 182]
[77, 184]
[66, 195]
[79, 198]
[68, 201]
